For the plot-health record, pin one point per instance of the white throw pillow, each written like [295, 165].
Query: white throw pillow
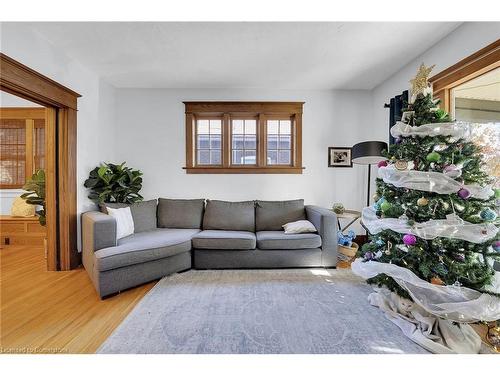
[124, 221]
[301, 226]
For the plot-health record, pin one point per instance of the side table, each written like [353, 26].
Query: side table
[351, 215]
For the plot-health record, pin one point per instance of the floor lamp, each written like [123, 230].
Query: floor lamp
[368, 153]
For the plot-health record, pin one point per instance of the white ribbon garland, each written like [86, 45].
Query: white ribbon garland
[456, 303]
[449, 228]
[454, 129]
[435, 182]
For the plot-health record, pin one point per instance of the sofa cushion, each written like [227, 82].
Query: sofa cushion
[277, 240]
[224, 239]
[272, 215]
[222, 215]
[144, 247]
[143, 213]
[180, 213]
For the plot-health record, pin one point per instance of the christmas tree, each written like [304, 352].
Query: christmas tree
[435, 212]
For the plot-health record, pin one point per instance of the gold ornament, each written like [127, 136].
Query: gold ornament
[420, 82]
[401, 165]
[375, 197]
[422, 202]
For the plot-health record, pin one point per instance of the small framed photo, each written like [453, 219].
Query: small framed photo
[339, 157]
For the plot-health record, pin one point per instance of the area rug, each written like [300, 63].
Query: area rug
[306, 311]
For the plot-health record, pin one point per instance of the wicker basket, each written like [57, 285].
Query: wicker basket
[347, 253]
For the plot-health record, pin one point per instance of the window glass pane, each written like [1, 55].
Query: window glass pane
[237, 126]
[272, 142]
[215, 157]
[202, 127]
[250, 157]
[12, 152]
[203, 156]
[250, 127]
[215, 141]
[285, 142]
[238, 141]
[238, 156]
[272, 127]
[284, 157]
[203, 141]
[285, 127]
[215, 126]
[250, 142]
[272, 157]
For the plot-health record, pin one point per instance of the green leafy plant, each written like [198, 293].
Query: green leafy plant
[114, 183]
[35, 194]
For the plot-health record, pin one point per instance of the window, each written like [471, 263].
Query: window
[22, 145]
[208, 142]
[470, 91]
[244, 142]
[243, 137]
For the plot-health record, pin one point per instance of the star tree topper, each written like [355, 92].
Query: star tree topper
[420, 83]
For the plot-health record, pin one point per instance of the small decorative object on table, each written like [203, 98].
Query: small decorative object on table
[347, 248]
[338, 208]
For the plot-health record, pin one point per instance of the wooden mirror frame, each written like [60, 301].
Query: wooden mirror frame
[60, 146]
[475, 65]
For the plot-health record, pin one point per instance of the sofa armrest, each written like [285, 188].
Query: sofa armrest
[325, 222]
[98, 231]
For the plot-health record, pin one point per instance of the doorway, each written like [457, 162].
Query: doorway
[59, 156]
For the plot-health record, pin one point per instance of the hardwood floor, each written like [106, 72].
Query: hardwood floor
[54, 312]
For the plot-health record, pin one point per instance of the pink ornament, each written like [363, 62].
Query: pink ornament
[409, 239]
[382, 163]
[464, 193]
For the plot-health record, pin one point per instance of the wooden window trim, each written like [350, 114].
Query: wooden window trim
[262, 111]
[29, 115]
[475, 65]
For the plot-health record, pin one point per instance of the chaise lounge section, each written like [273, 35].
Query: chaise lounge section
[175, 235]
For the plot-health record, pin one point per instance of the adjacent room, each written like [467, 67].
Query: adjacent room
[250, 187]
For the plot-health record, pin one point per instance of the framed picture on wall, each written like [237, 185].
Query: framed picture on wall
[339, 157]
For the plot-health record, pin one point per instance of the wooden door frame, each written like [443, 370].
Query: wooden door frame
[60, 148]
[475, 65]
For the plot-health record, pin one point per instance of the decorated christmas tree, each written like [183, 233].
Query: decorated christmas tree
[433, 229]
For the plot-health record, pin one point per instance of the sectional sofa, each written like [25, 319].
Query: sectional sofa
[173, 235]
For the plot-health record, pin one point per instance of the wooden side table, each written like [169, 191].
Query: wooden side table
[351, 215]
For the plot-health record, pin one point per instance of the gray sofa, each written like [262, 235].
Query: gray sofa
[173, 235]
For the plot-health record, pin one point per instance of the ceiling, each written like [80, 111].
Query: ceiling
[297, 55]
[485, 87]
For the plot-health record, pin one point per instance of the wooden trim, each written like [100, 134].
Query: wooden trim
[244, 107]
[20, 80]
[19, 113]
[30, 126]
[245, 170]
[261, 141]
[67, 189]
[60, 154]
[51, 189]
[475, 65]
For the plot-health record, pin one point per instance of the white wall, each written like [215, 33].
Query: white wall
[150, 136]
[95, 107]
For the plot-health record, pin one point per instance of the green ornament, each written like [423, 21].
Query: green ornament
[497, 193]
[433, 157]
[385, 206]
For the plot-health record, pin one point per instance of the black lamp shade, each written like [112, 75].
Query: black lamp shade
[367, 153]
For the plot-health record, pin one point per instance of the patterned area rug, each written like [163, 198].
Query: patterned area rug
[305, 311]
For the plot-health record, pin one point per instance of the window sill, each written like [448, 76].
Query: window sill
[244, 170]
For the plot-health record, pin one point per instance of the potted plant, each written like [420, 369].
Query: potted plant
[114, 183]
